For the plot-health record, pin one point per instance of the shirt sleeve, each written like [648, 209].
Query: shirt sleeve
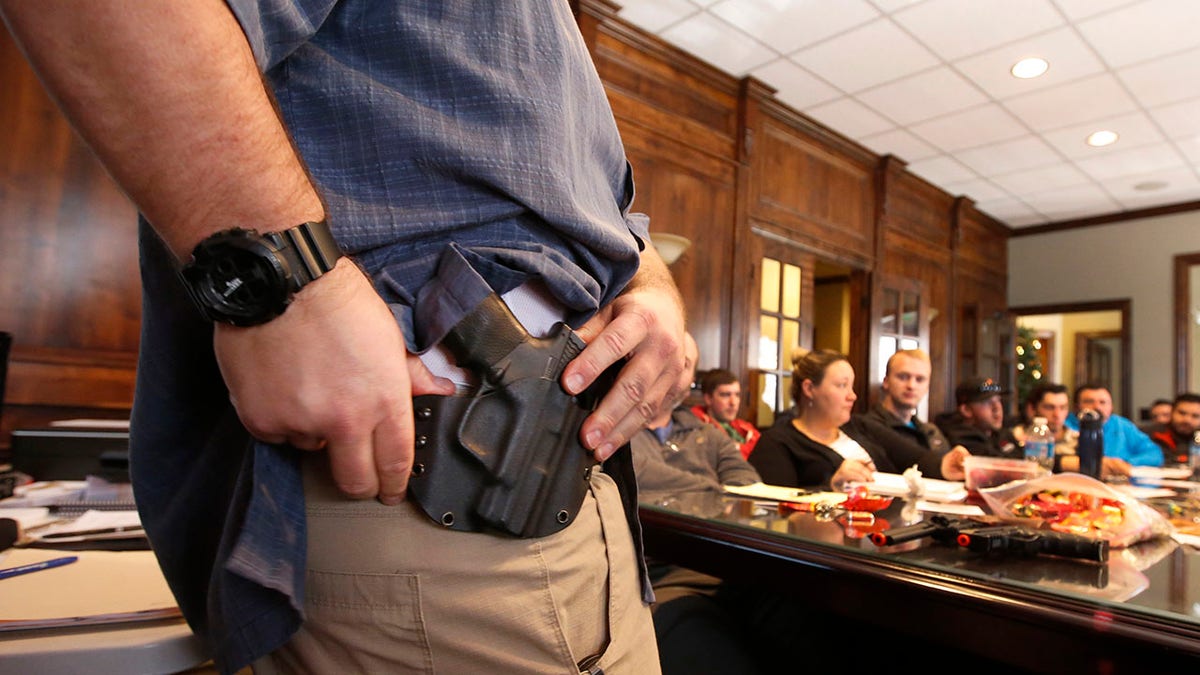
[276, 28]
[1140, 449]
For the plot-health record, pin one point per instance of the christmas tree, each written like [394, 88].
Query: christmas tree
[1030, 368]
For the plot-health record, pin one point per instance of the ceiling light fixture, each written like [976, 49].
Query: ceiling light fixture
[1150, 185]
[1029, 68]
[1099, 139]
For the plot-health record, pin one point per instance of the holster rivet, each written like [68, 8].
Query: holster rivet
[424, 413]
[448, 519]
[587, 474]
[418, 469]
[422, 441]
[563, 516]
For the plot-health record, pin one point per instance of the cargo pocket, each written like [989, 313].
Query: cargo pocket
[364, 623]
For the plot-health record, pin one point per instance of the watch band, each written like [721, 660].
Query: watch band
[310, 247]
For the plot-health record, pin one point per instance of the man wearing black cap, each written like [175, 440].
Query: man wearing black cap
[978, 421]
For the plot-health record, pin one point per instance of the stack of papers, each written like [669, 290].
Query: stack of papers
[894, 485]
[780, 493]
[91, 526]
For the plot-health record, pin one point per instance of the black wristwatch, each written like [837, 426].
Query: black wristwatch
[245, 278]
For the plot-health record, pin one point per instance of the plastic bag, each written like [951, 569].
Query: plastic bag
[1072, 502]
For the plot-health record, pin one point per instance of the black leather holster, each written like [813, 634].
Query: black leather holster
[508, 457]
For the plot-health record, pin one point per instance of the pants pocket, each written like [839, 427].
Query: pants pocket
[360, 623]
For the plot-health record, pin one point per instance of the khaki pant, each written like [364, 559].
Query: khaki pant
[390, 591]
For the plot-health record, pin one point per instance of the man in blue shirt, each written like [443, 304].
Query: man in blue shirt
[453, 149]
[1122, 438]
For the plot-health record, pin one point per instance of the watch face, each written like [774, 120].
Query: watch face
[239, 279]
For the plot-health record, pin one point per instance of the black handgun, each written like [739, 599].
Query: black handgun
[942, 529]
[508, 456]
[1030, 542]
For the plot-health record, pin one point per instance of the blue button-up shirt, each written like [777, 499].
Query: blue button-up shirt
[424, 124]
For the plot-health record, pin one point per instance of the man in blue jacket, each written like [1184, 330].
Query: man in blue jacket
[1122, 438]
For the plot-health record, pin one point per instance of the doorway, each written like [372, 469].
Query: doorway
[1080, 343]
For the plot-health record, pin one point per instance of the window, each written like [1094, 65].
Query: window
[899, 325]
[779, 333]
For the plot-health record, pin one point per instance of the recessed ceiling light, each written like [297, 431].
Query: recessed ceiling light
[1029, 68]
[1150, 185]
[1099, 139]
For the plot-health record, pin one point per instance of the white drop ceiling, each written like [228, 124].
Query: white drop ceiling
[929, 82]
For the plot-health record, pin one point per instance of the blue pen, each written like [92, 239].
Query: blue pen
[34, 567]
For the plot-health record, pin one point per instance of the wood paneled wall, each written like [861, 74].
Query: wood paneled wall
[69, 290]
[717, 160]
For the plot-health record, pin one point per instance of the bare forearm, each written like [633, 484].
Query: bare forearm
[168, 96]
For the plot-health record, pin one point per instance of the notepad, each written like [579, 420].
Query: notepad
[101, 587]
[780, 493]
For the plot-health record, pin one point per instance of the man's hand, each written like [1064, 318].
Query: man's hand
[332, 372]
[646, 324]
[952, 463]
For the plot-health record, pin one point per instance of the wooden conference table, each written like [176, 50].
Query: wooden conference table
[1141, 609]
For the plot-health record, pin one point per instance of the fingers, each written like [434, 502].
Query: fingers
[393, 457]
[653, 374]
[351, 462]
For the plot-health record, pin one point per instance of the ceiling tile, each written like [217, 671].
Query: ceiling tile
[796, 86]
[893, 5]
[1191, 150]
[1009, 156]
[926, 95]
[1181, 185]
[1068, 56]
[1081, 9]
[1135, 129]
[953, 28]
[654, 15]
[1157, 82]
[1143, 31]
[1055, 176]
[941, 170]
[900, 143]
[1080, 201]
[1179, 121]
[1079, 101]
[982, 125]
[849, 118]
[1132, 162]
[891, 51]
[1013, 212]
[712, 40]
[788, 26]
[978, 190]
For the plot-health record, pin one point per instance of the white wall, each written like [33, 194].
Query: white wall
[1132, 259]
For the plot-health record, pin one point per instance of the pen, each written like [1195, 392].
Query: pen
[34, 567]
[85, 533]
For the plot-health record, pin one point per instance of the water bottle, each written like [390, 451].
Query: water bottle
[1091, 443]
[1039, 444]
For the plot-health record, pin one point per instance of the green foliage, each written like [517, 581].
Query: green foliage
[1030, 369]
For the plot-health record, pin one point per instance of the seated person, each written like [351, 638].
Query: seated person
[677, 453]
[819, 448]
[905, 384]
[978, 421]
[1122, 439]
[722, 399]
[1051, 401]
[1175, 438]
[1160, 416]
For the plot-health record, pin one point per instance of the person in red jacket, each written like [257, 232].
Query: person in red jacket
[722, 400]
[1176, 438]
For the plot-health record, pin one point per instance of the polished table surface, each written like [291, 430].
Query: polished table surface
[1046, 614]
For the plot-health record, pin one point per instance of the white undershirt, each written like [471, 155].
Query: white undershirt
[849, 448]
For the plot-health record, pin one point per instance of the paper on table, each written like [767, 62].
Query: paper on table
[893, 484]
[950, 508]
[1160, 472]
[30, 517]
[101, 587]
[126, 523]
[780, 493]
[1142, 492]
